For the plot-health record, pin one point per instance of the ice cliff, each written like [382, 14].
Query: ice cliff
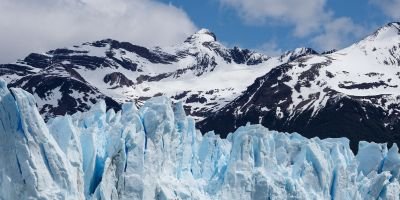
[155, 152]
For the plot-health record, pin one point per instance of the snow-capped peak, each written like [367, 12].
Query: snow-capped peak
[386, 33]
[382, 47]
[296, 53]
[201, 36]
[303, 51]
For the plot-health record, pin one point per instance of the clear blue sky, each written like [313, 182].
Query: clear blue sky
[225, 18]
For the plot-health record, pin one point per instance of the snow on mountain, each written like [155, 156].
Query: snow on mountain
[156, 153]
[203, 35]
[353, 92]
[201, 72]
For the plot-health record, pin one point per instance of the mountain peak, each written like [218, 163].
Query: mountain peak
[296, 53]
[304, 51]
[203, 35]
[393, 24]
[390, 29]
[385, 33]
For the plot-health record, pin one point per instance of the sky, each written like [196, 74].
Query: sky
[268, 26]
[274, 26]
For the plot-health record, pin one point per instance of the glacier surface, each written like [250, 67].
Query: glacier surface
[155, 152]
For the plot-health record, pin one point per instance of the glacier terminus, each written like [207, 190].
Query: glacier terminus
[155, 152]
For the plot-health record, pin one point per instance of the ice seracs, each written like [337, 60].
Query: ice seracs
[155, 152]
[32, 164]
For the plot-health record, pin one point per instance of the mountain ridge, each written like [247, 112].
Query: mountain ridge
[362, 79]
[195, 57]
[223, 88]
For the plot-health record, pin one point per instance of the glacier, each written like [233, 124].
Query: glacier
[155, 152]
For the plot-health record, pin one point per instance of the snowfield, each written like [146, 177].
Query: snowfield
[155, 152]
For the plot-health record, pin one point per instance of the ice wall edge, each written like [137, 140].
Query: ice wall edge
[155, 152]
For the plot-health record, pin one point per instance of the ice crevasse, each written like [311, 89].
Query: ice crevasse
[155, 152]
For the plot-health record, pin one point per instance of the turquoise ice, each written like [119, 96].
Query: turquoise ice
[155, 152]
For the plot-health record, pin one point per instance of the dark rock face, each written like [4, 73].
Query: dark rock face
[364, 86]
[202, 65]
[293, 55]
[343, 118]
[54, 78]
[196, 98]
[152, 56]
[37, 60]
[117, 79]
[268, 101]
[13, 69]
[240, 56]
[246, 107]
[75, 93]
[125, 63]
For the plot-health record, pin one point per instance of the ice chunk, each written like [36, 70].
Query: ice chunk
[370, 156]
[30, 158]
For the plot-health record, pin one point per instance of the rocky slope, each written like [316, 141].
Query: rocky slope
[200, 72]
[353, 92]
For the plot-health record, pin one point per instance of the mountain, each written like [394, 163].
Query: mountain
[155, 152]
[200, 72]
[353, 92]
